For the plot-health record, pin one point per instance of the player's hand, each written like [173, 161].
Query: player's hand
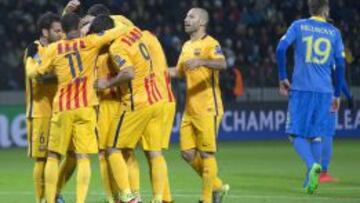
[71, 6]
[101, 84]
[284, 87]
[335, 106]
[191, 64]
[85, 24]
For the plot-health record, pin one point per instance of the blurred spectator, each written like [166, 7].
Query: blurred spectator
[247, 29]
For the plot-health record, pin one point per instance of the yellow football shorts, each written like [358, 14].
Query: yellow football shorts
[37, 136]
[199, 132]
[77, 126]
[168, 117]
[144, 124]
[108, 112]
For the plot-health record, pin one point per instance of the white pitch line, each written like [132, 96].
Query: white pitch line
[230, 196]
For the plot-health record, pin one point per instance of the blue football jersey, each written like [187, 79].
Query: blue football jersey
[317, 44]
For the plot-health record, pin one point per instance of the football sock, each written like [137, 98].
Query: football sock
[120, 173]
[158, 173]
[303, 149]
[197, 165]
[316, 145]
[51, 177]
[82, 179]
[326, 153]
[209, 174]
[39, 182]
[105, 177]
[67, 168]
[134, 173]
[167, 191]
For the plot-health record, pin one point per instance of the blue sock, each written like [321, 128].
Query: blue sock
[303, 149]
[316, 146]
[326, 154]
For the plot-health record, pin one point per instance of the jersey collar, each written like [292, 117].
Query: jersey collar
[318, 18]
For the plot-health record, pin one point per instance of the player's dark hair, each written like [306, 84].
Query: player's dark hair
[98, 9]
[101, 23]
[70, 22]
[316, 7]
[45, 21]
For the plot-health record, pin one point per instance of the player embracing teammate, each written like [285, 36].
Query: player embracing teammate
[113, 92]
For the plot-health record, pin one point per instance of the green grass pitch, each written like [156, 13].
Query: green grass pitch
[257, 172]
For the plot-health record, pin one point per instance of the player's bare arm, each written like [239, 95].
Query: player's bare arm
[71, 7]
[124, 76]
[216, 64]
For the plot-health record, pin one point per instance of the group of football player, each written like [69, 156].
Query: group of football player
[98, 84]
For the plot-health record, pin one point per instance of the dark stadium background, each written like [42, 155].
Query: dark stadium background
[248, 31]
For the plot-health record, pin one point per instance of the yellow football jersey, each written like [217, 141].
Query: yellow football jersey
[203, 95]
[39, 96]
[106, 69]
[131, 50]
[73, 63]
[160, 66]
[120, 20]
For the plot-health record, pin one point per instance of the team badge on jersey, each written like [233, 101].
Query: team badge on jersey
[218, 50]
[119, 61]
[197, 52]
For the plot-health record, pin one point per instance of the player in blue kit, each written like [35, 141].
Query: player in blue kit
[312, 97]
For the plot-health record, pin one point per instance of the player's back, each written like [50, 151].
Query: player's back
[160, 65]
[317, 42]
[131, 50]
[73, 63]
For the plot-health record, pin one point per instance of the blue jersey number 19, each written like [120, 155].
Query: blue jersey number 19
[321, 48]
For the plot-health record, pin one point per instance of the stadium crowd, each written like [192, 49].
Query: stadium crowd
[247, 29]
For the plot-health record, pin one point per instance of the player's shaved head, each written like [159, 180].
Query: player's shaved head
[203, 15]
[196, 19]
[98, 9]
[318, 7]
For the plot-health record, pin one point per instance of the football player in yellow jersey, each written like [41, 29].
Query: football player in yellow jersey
[109, 106]
[39, 96]
[142, 108]
[199, 63]
[169, 106]
[74, 119]
[129, 156]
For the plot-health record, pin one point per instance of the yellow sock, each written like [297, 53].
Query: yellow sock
[209, 174]
[120, 173]
[67, 168]
[134, 174]
[197, 165]
[158, 172]
[51, 177]
[39, 182]
[82, 179]
[114, 188]
[105, 177]
[167, 192]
